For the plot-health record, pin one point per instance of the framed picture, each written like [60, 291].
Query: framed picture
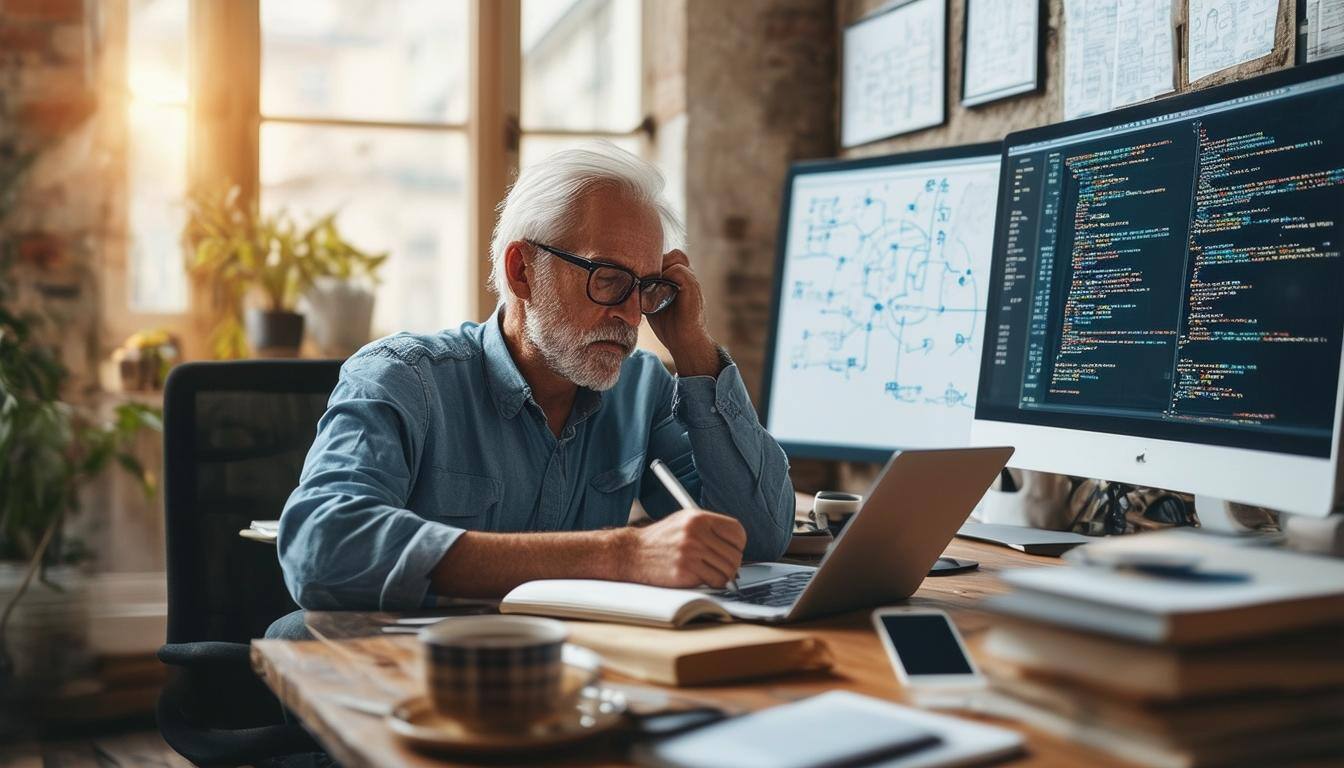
[894, 72]
[1001, 49]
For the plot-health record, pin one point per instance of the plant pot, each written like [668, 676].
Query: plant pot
[274, 334]
[48, 634]
[340, 315]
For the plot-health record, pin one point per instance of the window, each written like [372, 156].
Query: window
[156, 83]
[581, 75]
[364, 107]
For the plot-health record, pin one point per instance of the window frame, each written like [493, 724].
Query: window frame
[224, 118]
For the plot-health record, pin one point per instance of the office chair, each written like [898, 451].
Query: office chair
[235, 438]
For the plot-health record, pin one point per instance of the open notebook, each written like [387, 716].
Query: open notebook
[612, 601]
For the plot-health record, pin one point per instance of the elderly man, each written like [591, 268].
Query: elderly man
[464, 463]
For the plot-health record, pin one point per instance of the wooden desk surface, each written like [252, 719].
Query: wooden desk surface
[384, 668]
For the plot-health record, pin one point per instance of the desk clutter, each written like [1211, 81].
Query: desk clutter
[1175, 649]
[536, 687]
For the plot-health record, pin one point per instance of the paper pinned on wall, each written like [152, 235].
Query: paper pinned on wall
[1325, 29]
[1002, 49]
[1089, 53]
[1225, 33]
[894, 72]
[1116, 52]
[1145, 62]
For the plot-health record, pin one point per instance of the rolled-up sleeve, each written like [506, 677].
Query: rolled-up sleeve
[716, 446]
[347, 540]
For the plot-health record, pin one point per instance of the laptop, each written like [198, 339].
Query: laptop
[883, 554]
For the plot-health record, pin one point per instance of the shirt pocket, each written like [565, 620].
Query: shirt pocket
[611, 493]
[463, 500]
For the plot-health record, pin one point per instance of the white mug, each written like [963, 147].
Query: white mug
[835, 507]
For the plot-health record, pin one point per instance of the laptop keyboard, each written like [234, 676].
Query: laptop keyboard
[772, 594]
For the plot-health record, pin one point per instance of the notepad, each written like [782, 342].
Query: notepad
[702, 653]
[839, 728]
[617, 601]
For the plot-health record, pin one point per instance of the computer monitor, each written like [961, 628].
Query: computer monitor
[879, 302]
[1168, 294]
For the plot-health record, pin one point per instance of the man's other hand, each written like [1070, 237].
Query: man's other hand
[689, 548]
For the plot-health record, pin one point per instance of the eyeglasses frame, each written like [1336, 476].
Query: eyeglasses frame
[592, 265]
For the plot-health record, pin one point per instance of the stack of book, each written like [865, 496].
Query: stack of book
[1176, 649]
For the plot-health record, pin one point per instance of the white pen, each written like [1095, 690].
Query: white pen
[678, 491]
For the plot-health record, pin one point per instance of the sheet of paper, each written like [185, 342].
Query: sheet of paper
[894, 72]
[1144, 58]
[1224, 33]
[1089, 53]
[1325, 29]
[1001, 49]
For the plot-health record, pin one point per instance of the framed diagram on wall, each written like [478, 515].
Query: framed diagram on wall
[895, 72]
[1001, 50]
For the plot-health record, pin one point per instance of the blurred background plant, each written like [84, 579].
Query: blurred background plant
[49, 448]
[239, 250]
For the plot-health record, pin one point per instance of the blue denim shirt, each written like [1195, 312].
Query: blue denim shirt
[429, 436]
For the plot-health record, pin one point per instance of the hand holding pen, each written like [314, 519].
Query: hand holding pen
[684, 500]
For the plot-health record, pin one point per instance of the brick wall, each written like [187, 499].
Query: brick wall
[760, 93]
[50, 70]
[760, 79]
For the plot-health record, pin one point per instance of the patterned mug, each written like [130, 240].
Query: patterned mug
[497, 671]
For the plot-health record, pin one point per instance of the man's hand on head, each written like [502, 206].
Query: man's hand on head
[681, 327]
[689, 548]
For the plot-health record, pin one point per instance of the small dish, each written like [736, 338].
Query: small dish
[596, 710]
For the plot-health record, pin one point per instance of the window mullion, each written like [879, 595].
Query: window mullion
[224, 139]
[496, 64]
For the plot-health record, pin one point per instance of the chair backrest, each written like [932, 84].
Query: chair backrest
[235, 438]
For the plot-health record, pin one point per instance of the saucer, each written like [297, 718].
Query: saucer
[592, 711]
[596, 710]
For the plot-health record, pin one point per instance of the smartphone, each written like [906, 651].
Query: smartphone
[927, 651]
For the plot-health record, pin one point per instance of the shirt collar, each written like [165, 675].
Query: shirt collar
[507, 385]
[506, 382]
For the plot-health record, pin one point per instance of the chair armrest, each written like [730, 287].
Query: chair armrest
[206, 655]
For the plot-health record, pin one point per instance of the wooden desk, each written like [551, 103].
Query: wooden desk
[385, 668]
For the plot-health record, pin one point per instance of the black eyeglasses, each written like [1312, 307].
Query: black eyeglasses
[610, 285]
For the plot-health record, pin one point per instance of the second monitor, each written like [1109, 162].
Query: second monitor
[879, 306]
[1166, 306]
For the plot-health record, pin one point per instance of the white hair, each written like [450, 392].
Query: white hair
[543, 203]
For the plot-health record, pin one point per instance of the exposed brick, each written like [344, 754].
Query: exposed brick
[45, 10]
[756, 287]
[48, 118]
[23, 38]
[68, 43]
[48, 81]
[735, 227]
[41, 250]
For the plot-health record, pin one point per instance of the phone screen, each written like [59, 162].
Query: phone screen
[926, 645]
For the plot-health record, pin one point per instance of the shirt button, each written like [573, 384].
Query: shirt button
[713, 409]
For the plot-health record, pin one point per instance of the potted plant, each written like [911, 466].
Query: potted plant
[240, 251]
[243, 252]
[49, 448]
[339, 300]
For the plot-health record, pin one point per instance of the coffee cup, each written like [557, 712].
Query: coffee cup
[498, 671]
[834, 508]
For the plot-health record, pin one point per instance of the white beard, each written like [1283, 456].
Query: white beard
[569, 351]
